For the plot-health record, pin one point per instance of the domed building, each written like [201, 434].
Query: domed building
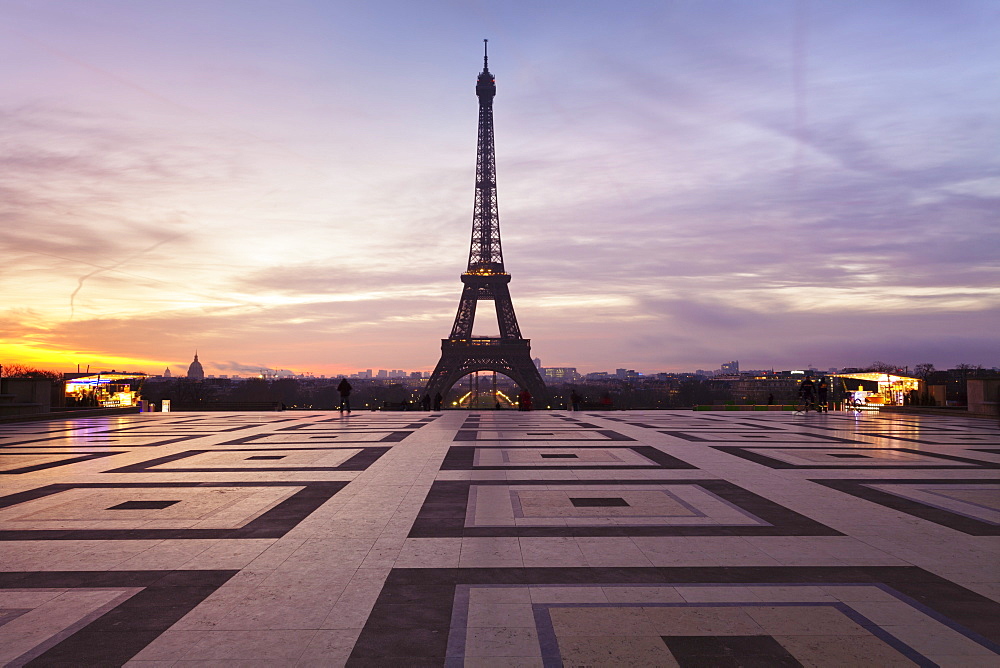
[195, 371]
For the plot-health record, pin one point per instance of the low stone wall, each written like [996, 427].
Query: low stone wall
[232, 406]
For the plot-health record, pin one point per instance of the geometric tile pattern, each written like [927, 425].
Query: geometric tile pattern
[586, 457]
[81, 511]
[644, 508]
[321, 439]
[971, 506]
[239, 461]
[777, 436]
[822, 616]
[87, 618]
[940, 438]
[12, 463]
[514, 435]
[75, 442]
[853, 458]
[500, 538]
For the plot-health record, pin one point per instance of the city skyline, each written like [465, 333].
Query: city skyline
[789, 183]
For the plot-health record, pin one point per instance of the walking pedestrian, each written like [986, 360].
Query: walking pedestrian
[822, 396]
[574, 401]
[345, 395]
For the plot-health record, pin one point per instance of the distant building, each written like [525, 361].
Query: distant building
[731, 367]
[166, 373]
[538, 362]
[565, 374]
[195, 370]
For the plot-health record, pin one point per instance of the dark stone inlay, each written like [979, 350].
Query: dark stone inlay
[468, 433]
[409, 593]
[359, 462]
[10, 614]
[99, 441]
[792, 437]
[546, 455]
[443, 514]
[598, 501]
[341, 436]
[83, 457]
[701, 425]
[144, 505]
[202, 428]
[121, 633]
[274, 523]
[939, 438]
[729, 651]
[355, 426]
[849, 456]
[755, 455]
[863, 490]
[462, 458]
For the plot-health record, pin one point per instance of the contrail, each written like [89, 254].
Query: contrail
[79, 286]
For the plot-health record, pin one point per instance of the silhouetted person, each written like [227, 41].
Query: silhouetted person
[606, 401]
[425, 403]
[437, 401]
[822, 395]
[524, 401]
[770, 399]
[574, 401]
[807, 398]
[345, 395]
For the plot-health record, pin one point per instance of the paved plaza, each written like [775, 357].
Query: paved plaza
[639, 538]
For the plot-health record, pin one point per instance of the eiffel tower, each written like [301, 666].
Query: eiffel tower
[463, 353]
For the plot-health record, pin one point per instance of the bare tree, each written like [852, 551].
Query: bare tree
[18, 370]
[882, 367]
[923, 370]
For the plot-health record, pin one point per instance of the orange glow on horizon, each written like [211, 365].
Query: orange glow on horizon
[53, 359]
[65, 361]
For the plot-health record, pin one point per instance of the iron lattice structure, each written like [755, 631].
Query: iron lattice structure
[462, 352]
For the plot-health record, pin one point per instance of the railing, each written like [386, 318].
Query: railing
[486, 342]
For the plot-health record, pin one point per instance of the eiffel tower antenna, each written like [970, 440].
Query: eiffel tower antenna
[486, 279]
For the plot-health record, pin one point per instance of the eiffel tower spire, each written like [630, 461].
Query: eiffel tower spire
[485, 253]
[485, 279]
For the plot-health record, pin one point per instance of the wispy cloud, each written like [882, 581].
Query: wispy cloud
[679, 184]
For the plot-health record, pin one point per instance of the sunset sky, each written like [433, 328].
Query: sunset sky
[290, 184]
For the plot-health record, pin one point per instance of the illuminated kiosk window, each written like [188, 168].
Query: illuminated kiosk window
[107, 390]
[873, 388]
